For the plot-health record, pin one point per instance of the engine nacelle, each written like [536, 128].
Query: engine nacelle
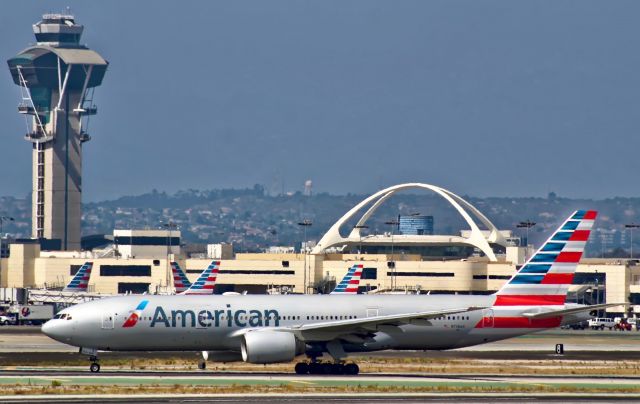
[269, 347]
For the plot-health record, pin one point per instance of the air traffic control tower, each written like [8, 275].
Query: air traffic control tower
[57, 77]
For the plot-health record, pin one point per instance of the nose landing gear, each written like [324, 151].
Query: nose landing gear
[95, 366]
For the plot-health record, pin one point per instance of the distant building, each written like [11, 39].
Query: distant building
[146, 243]
[220, 251]
[415, 225]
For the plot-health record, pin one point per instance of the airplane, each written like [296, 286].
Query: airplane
[266, 329]
[180, 280]
[349, 284]
[80, 280]
[206, 282]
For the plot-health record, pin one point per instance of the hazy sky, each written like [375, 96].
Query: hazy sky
[482, 97]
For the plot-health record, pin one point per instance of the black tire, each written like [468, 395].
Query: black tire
[302, 368]
[315, 368]
[327, 368]
[202, 365]
[94, 368]
[351, 369]
[338, 369]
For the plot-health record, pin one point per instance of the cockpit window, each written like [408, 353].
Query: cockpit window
[69, 317]
[57, 316]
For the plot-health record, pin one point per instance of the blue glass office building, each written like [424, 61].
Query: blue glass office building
[415, 225]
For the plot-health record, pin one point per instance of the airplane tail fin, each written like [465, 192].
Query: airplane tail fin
[545, 278]
[349, 284]
[80, 280]
[180, 280]
[206, 282]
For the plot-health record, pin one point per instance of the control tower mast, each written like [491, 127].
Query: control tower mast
[57, 77]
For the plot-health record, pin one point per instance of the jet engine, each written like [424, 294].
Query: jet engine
[270, 347]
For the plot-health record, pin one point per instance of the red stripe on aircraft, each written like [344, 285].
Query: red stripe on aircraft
[557, 279]
[529, 300]
[569, 256]
[208, 286]
[580, 235]
[519, 322]
[590, 215]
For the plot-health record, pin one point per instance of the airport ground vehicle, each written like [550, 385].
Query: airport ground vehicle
[577, 326]
[623, 325]
[265, 329]
[601, 323]
[5, 320]
[33, 313]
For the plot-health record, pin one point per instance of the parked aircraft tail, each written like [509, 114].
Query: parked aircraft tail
[206, 282]
[349, 284]
[180, 280]
[545, 278]
[80, 280]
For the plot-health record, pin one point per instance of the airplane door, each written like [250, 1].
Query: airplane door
[487, 318]
[107, 321]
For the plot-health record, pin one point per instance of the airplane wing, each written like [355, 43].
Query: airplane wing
[556, 313]
[329, 330]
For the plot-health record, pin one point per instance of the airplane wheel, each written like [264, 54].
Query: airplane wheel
[95, 368]
[315, 368]
[202, 365]
[351, 369]
[302, 368]
[337, 369]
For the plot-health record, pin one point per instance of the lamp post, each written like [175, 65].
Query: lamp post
[2, 220]
[170, 225]
[305, 223]
[526, 225]
[392, 223]
[631, 226]
[360, 227]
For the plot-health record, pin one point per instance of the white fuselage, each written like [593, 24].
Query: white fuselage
[215, 322]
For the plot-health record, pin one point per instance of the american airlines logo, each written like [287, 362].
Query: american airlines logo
[133, 317]
[227, 317]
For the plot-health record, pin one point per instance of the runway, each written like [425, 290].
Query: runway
[596, 365]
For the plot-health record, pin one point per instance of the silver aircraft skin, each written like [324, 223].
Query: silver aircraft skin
[277, 328]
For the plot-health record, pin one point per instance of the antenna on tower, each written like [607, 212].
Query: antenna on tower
[308, 188]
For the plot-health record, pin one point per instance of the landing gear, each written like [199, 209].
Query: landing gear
[95, 366]
[326, 368]
[202, 365]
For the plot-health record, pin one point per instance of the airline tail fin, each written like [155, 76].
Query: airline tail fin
[545, 278]
[180, 280]
[349, 284]
[80, 280]
[206, 282]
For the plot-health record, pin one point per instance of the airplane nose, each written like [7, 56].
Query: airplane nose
[53, 329]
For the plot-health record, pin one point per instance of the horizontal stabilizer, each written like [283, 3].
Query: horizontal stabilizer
[556, 313]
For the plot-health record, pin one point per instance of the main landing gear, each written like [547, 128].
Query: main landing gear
[326, 368]
[95, 366]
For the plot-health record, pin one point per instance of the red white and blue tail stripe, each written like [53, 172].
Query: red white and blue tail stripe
[180, 280]
[349, 284]
[80, 280]
[545, 278]
[206, 282]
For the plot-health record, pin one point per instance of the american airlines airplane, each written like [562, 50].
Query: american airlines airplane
[80, 280]
[276, 328]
